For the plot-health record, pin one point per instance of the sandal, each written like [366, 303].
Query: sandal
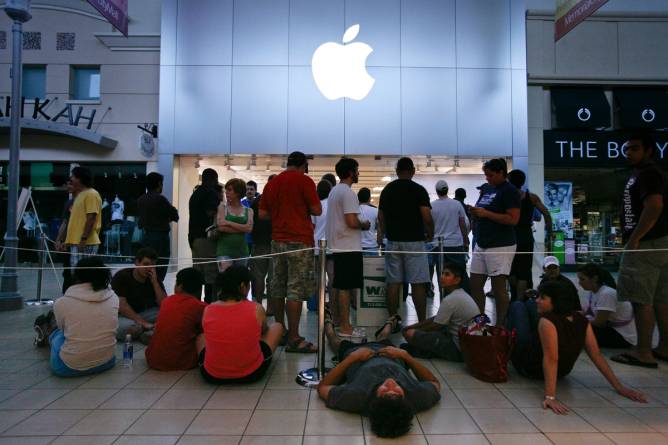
[628, 359]
[284, 340]
[394, 321]
[301, 346]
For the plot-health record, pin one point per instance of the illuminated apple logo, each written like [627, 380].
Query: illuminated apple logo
[340, 70]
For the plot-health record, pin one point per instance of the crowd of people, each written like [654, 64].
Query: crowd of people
[266, 245]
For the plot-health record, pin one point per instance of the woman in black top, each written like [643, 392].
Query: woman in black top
[520, 273]
[551, 333]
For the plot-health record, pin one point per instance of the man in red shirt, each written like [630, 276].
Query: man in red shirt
[289, 200]
[173, 346]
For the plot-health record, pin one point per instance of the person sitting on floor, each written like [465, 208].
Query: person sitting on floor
[237, 344]
[612, 320]
[141, 292]
[373, 379]
[551, 333]
[438, 336]
[174, 343]
[552, 272]
[87, 317]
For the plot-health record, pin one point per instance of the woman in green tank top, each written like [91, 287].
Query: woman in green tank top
[234, 221]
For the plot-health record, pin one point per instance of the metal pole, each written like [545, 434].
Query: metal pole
[40, 271]
[321, 308]
[10, 298]
[439, 266]
[311, 377]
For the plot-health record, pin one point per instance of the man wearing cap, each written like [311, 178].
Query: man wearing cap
[450, 225]
[289, 200]
[404, 216]
[552, 272]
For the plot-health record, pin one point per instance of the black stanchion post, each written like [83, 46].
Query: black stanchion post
[43, 251]
[311, 377]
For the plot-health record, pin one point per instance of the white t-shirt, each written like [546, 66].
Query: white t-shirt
[117, 210]
[342, 201]
[446, 213]
[320, 222]
[621, 318]
[368, 213]
[457, 308]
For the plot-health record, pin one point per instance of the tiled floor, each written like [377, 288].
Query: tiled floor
[139, 406]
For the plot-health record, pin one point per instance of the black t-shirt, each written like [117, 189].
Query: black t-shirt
[202, 205]
[498, 200]
[645, 180]
[571, 335]
[400, 202]
[363, 378]
[140, 296]
[261, 233]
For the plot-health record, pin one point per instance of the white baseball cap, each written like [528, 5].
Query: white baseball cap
[551, 261]
[441, 185]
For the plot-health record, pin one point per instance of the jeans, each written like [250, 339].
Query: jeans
[523, 317]
[159, 241]
[124, 324]
[58, 367]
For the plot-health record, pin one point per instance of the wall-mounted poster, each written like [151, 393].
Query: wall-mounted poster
[559, 201]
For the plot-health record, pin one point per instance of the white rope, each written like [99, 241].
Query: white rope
[183, 263]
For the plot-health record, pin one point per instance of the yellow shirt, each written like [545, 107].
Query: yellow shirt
[88, 201]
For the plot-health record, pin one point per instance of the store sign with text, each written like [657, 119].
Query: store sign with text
[594, 149]
[570, 13]
[65, 114]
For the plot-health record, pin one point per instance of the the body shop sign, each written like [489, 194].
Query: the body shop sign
[570, 13]
[116, 11]
[594, 149]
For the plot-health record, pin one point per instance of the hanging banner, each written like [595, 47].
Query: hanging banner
[570, 13]
[116, 11]
[559, 202]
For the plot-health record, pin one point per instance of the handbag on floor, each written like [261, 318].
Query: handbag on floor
[486, 349]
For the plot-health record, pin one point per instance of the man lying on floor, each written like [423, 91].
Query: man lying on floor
[373, 379]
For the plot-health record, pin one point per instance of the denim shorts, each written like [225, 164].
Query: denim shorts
[406, 267]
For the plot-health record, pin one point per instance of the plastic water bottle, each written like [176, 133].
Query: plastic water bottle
[128, 351]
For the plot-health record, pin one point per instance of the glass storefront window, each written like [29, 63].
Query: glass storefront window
[116, 182]
[596, 206]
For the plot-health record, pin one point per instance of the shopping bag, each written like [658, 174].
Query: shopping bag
[486, 349]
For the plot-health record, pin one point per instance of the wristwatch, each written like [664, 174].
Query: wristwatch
[550, 398]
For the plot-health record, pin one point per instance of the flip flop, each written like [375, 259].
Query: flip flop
[628, 359]
[659, 356]
[284, 340]
[301, 347]
[380, 329]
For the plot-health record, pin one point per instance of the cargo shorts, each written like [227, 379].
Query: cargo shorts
[293, 271]
[643, 275]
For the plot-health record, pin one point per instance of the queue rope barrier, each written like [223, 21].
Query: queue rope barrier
[332, 250]
[203, 261]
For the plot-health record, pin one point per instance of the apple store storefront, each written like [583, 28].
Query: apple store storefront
[243, 83]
